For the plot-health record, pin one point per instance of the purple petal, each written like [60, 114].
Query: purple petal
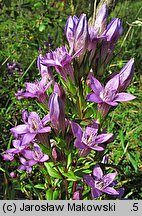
[23, 161]
[103, 138]
[89, 180]
[20, 129]
[44, 130]
[27, 138]
[28, 154]
[16, 143]
[109, 178]
[32, 162]
[126, 74]
[29, 169]
[46, 119]
[124, 97]
[77, 130]
[50, 62]
[97, 172]
[8, 157]
[31, 87]
[44, 158]
[113, 84]
[96, 193]
[111, 191]
[94, 98]
[79, 144]
[95, 85]
[97, 148]
[25, 116]
[112, 103]
[21, 167]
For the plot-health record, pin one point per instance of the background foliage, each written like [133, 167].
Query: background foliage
[25, 25]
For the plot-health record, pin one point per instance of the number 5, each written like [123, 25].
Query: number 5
[135, 207]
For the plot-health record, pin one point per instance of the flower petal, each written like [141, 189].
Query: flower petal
[124, 97]
[97, 172]
[77, 130]
[89, 180]
[93, 98]
[97, 148]
[103, 138]
[46, 119]
[79, 144]
[96, 193]
[44, 130]
[109, 178]
[27, 138]
[44, 158]
[111, 191]
[20, 129]
[28, 154]
[95, 85]
[113, 84]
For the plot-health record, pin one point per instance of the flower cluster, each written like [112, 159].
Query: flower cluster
[72, 129]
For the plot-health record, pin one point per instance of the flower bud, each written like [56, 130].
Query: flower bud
[57, 112]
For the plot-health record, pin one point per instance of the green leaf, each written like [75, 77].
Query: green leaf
[71, 176]
[55, 195]
[49, 194]
[69, 160]
[40, 186]
[52, 171]
[133, 161]
[42, 27]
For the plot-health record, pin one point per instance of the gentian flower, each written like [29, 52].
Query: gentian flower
[107, 96]
[77, 195]
[18, 148]
[77, 33]
[44, 70]
[96, 28]
[33, 126]
[101, 183]
[36, 90]
[61, 60]
[126, 74]
[26, 165]
[36, 155]
[57, 112]
[101, 19]
[89, 138]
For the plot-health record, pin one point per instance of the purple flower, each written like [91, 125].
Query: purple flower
[61, 60]
[77, 195]
[35, 156]
[26, 165]
[36, 90]
[101, 19]
[57, 112]
[70, 29]
[77, 33]
[18, 148]
[101, 183]
[126, 74]
[89, 138]
[96, 29]
[107, 96]
[33, 126]
[44, 70]
[13, 174]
